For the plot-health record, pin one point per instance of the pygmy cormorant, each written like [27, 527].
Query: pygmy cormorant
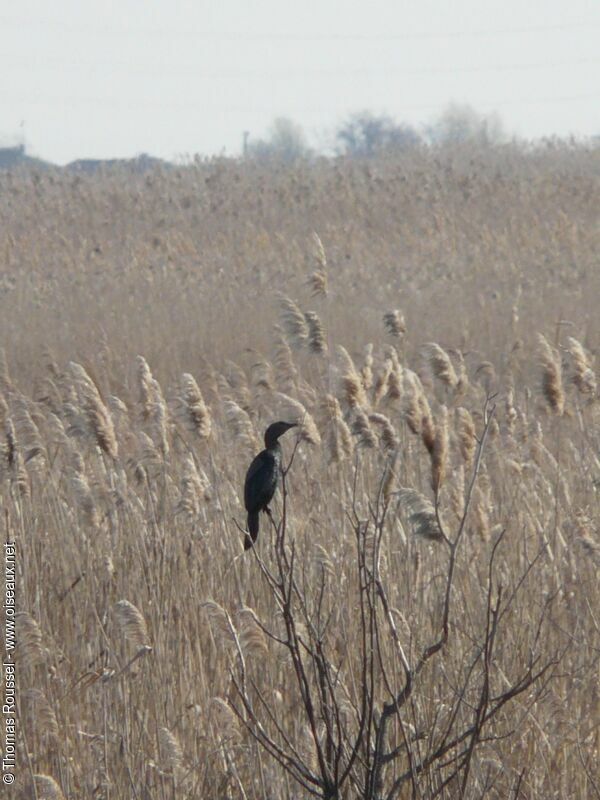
[262, 478]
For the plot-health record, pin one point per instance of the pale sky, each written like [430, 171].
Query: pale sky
[92, 79]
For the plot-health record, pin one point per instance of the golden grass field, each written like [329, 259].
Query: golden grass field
[422, 618]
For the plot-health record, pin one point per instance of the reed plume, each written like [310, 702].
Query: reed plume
[552, 383]
[46, 788]
[192, 410]
[132, 624]
[393, 322]
[318, 279]
[388, 436]
[100, 427]
[439, 454]
[293, 410]
[582, 373]
[352, 386]
[294, 322]
[171, 754]
[420, 514]
[30, 650]
[440, 364]
[316, 334]
[361, 429]
[465, 432]
[338, 438]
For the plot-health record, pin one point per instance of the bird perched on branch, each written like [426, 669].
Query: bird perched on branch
[262, 478]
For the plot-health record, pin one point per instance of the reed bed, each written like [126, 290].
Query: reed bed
[431, 322]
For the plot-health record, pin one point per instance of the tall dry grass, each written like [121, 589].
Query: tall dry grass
[154, 325]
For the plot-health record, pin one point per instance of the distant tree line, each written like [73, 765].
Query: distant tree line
[364, 134]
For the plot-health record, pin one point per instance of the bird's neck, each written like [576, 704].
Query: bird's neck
[273, 447]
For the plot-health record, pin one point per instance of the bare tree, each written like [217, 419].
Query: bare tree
[286, 142]
[366, 134]
[362, 728]
[461, 123]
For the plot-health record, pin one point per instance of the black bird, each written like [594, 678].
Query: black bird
[262, 478]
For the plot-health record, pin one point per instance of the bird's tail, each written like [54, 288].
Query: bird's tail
[253, 525]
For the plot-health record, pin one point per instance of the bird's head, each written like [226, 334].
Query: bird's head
[276, 430]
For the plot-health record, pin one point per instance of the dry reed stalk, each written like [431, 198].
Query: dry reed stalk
[171, 753]
[6, 384]
[220, 622]
[152, 405]
[147, 461]
[117, 406]
[251, 636]
[589, 542]
[481, 520]
[510, 412]
[486, 375]
[224, 720]
[456, 491]
[420, 514]
[307, 748]
[240, 425]
[287, 374]
[366, 372]
[352, 387]
[195, 489]
[316, 333]
[318, 280]
[49, 363]
[234, 381]
[262, 375]
[381, 384]
[361, 429]
[415, 404]
[323, 561]
[395, 377]
[108, 567]
[318, 283]
[319, 251]
[84, 499]
[13, 459]
[439, 454]
[28, 432]
[4, 410]
[132, 624]
[388, 436]
[465, 432]
[41, 713]
[428, 429]
[192, 409]
[146, 388]
[390, 477]
[583, 376]
[100, 428]
[29, 650]
[338, 439]
[393, 322]
[440, 364]
[462, 378]
[47, 393]
[294, 322]
[46, 788]
[56, 432]
[552, 383]
[293, 411]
